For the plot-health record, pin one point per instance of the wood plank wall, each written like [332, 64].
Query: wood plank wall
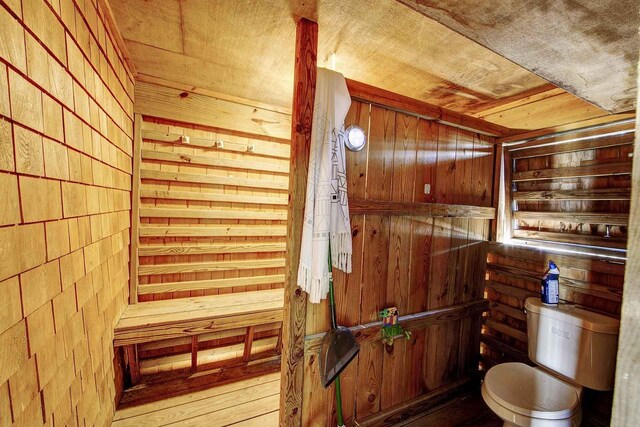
[416, 264]
[66, 111]
[574, 189]
[212, 218]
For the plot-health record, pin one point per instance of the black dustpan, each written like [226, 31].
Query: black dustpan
[338, 348]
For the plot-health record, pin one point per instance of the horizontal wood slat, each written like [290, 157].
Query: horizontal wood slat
[585, 262]
[504, 329]
[200, 267]
[574, 217]
[379, 207]
[222, 248]
[215, 231]
[200, 285]
[586, 194]
[212, 214]
[601, 291]
[212, 179]
[594, 142]
[259, 148]
[372, 331]
[499, 346]
[211, 197]
[520, 293]
[215, 161]
[575, 238]
[621, 168]
[238, 332]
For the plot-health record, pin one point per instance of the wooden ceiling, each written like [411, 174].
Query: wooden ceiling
[244, 48]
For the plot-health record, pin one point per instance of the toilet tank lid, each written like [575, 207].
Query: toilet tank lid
[575, 315]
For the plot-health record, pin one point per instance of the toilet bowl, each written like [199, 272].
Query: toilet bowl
[524, 396]
[574, 348]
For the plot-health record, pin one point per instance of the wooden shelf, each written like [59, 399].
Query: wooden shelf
[575, 217]
[432, 210]
[203, 285]
[586, 194]
[620, 168]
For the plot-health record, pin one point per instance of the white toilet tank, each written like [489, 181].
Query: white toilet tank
[576, 343]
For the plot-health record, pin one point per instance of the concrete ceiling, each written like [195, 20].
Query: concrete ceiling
[245, 48]
[588, 47]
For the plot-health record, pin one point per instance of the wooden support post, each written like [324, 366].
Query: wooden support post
[626, 411]
[194, 353]
[504, 231]
[131, 355]
[248, 343]
[135, 210]
[295, 300]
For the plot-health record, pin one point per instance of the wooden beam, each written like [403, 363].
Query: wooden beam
[514, 291]
[574, 238]
[218, 248]
[497, 345]
[202, 267]
[372, 331]
[586, 194]
[504, 223]
[135, 210]
[374, 95]
[295, 300]
[211, 197]
[626, 410]
[574, 217]
[199, 285]
[215, 231]
[621, 168]
[214, 161]
[196, 178]
[430, 210]
[212, 214]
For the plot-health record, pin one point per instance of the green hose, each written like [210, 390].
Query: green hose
[334, 325]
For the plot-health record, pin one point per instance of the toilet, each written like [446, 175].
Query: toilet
[573, 348]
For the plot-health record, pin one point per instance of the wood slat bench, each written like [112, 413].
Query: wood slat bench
[159, 320]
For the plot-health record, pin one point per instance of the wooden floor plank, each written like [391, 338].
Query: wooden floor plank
[136, 411]
[220, 410]
[266, 420]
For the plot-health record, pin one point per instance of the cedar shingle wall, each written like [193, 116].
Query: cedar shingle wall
[66, 105]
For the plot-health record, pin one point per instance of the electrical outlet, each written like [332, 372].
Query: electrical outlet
[219, 144]
[427, 189]
[184, 139]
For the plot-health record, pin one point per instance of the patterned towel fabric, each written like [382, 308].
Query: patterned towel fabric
[326, 214]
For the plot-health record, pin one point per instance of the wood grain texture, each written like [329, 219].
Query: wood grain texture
[379, 96]
[295, 301]
[427, 210]
[627, 386]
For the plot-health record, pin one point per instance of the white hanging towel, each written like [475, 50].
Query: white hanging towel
[326, 212]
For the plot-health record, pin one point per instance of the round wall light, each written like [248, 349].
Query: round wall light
[356, 139]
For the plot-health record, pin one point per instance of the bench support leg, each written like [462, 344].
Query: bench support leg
[248, 342]
[279, 344]
[131, 359]
[194, 353]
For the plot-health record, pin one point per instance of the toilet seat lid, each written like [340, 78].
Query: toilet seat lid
[531, 392]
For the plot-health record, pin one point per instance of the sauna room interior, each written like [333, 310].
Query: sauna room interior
[154, 164]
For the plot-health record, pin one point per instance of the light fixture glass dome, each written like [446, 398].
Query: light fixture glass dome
[356, 139]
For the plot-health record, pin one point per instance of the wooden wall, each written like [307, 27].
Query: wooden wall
[65, 176]
[568, 189]
[212, 218]
[417, 264]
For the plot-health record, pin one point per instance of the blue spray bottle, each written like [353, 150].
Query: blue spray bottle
[550, 285]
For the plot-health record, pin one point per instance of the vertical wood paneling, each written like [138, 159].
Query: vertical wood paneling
[415, 264]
